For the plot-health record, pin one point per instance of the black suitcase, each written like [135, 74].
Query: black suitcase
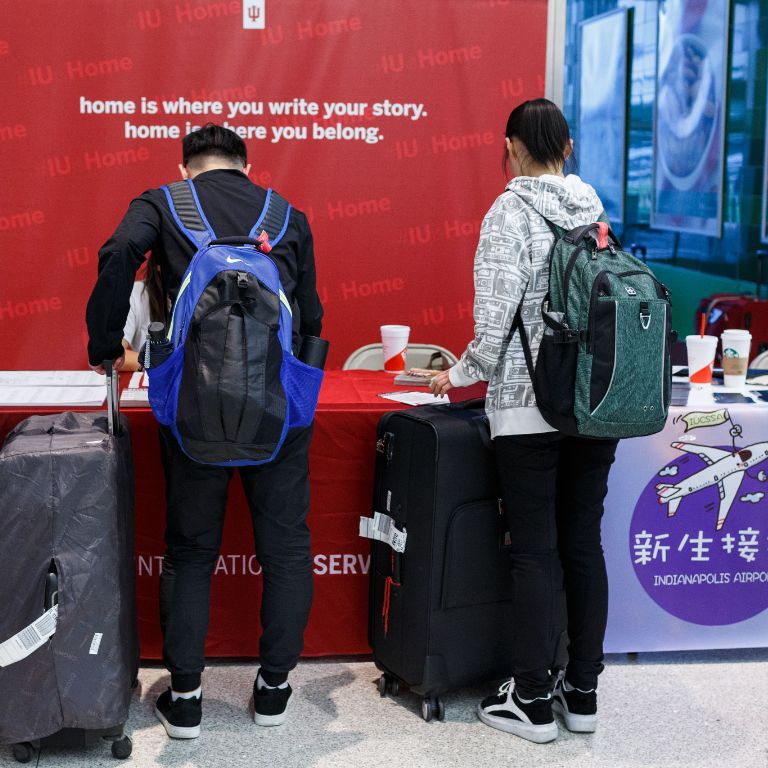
[439, 612]
[66, 511]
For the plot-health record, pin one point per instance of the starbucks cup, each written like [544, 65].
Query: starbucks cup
[736, 345]
[394, 339]
[701, 359]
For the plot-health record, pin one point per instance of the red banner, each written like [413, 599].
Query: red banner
[382, 121]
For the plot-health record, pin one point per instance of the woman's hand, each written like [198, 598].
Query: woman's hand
[117, 365]
[440, 383]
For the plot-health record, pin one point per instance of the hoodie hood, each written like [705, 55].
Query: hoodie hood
[568, 202]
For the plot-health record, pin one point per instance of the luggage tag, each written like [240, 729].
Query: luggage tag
[382, 528]
[32, 637]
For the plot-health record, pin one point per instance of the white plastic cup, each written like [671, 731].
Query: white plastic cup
[736, 345]
[701, 359]
[394, 339]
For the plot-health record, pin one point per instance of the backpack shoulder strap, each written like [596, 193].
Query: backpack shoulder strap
[273, 219]
[187, 212]
[556, 230]
[517, 325]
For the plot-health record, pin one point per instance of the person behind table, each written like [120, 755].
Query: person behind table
[277, 493]
[553, 486]
[148, 304]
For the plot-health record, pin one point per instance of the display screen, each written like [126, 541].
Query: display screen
[690, 116]
[602, 127]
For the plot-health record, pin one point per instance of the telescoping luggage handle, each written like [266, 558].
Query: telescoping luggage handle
[113, 398]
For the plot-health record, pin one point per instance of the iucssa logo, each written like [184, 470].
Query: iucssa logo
[254, 14]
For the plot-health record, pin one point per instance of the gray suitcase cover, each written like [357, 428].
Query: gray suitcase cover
[66, 495]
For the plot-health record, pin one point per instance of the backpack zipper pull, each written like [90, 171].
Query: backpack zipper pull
[645, 315]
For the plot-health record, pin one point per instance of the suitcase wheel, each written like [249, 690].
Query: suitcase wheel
[122, 748]
[388, 683]
[432, 707]
[23, 752]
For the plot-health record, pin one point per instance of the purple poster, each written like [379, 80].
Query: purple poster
[686, 533]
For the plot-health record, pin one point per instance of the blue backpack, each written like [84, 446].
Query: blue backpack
[231, 388]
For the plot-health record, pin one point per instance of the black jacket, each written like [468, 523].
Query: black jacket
[232, 204]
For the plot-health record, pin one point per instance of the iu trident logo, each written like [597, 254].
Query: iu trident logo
[254, 14]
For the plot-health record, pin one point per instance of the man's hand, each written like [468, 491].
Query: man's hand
[440, 383]
[118, 364]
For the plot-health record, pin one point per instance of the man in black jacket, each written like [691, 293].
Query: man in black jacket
[277, 493]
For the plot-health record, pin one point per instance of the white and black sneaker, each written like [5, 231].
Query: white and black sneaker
[180, 718]
[270, 705]
[578, 708]
[529, 719]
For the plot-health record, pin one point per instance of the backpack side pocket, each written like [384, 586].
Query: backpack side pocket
[302, 387]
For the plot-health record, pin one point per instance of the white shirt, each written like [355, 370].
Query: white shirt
[135, 331]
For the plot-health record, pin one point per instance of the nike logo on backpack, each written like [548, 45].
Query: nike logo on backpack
[230, 260]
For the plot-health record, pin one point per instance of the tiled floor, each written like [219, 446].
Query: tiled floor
[682, 710]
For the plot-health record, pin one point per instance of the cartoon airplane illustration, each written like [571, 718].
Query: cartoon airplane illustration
[723, 468]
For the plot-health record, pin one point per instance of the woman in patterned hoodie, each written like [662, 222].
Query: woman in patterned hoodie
[553, 486]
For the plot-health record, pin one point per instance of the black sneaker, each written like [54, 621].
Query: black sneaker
[531, 720]
[578, 708]
[180, 718]
[270, 705]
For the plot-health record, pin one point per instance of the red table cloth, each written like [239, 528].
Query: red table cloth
[341, 476]
[645, 613]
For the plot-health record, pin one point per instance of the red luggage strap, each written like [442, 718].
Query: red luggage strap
[389, 582]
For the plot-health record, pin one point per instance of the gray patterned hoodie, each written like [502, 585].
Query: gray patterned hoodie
[512, 266]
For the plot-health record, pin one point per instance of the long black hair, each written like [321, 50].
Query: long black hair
[542, 128]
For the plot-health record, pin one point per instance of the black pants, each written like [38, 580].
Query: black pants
[278, 497]
[553, 487]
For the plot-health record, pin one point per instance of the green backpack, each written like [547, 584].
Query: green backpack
[604, 367]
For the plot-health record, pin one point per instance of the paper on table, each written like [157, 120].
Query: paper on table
[51, 379]
[704, 396]
[134, 397]
[47, 395]
[138, 380]
[136, 393]
[415, 398]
